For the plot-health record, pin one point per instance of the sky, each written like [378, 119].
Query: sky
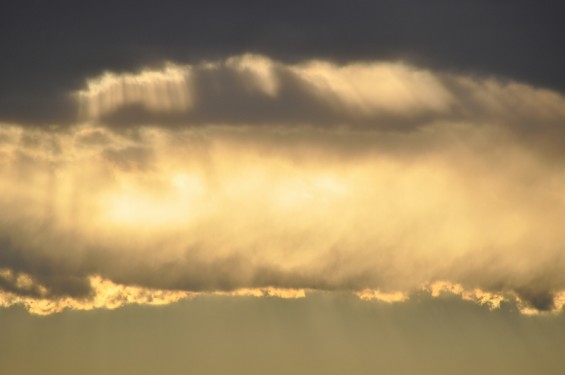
[285, 187]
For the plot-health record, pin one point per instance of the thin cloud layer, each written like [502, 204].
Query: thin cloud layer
[253, 175]
[255, 90]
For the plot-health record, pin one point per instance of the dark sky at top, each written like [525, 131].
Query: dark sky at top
[49, 48]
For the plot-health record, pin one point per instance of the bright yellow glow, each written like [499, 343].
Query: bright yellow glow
[492, 300]
[256, 203]
[265, 292]
[368, 295]
[171, 205]
[109, 295]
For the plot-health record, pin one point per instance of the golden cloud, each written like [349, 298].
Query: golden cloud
[449, 178]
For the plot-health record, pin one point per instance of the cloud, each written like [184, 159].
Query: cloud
[255, 90]
[376, 178]
[49, 49]
[165, 90]
[106, 294]
[368, 295]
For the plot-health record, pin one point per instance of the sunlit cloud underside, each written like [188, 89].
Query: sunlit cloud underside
[251, 177]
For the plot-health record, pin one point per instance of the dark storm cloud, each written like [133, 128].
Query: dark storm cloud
[49, 48]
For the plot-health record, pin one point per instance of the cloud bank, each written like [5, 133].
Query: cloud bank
[250, 174]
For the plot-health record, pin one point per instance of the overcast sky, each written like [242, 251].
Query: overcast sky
[336, 162]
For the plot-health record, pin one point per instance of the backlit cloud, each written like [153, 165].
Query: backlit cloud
[248, 176]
